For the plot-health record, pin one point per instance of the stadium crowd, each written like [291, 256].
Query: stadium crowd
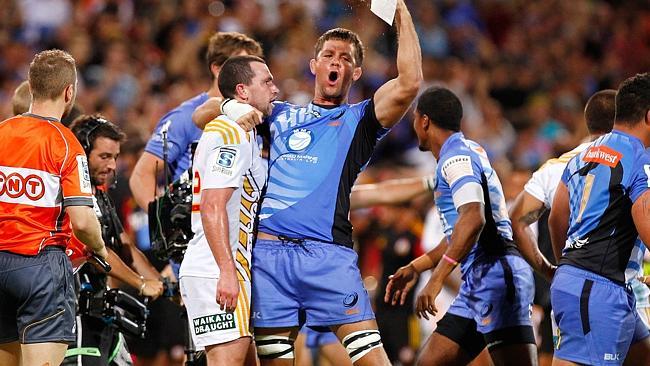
[523, 71]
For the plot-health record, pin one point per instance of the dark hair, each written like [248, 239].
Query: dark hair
[87, 128]
[600, 111]
[342, 34]
[442, 107]
[222, 45]
[50, 72]
[633, 99]
[236, 70]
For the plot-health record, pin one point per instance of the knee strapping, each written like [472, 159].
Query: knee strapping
[358, 344]
[274, 346]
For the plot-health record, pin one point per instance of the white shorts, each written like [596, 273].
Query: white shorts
[209, 324]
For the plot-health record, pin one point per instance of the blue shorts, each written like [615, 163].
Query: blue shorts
[37, 299]
[316, 338]
[596, 317]
[320, 279]
[497, 293]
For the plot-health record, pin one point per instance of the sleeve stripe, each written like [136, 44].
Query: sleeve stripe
[222, 133]
[232, 131]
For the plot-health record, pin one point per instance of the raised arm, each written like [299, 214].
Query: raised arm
[525, 211]
[558, 220]
[393, 99]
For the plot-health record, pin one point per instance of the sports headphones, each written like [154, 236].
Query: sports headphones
[83, 134]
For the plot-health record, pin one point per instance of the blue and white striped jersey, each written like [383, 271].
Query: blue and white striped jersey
[462, 162]
[316, 154]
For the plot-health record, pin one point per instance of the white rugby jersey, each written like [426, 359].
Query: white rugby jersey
[543, 183]
[226, 157]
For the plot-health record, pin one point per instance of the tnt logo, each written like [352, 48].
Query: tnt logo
[15, 185]
[612, 356]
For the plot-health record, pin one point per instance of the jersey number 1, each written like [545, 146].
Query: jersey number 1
[586, 192]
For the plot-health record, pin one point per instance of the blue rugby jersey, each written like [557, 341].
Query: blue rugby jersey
[461, 162]
[603, 182]
[316, 154]
[182, 132]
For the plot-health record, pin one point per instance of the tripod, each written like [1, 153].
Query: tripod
[193, 358]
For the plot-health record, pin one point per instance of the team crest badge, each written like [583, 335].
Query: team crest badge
[299, 139]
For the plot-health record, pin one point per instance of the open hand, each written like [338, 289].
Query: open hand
[399, 285]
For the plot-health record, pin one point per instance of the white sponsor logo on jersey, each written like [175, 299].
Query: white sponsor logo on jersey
[456, 167]
[84, 176]
[300, 139]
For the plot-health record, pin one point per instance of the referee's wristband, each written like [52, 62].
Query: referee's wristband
[234, 109]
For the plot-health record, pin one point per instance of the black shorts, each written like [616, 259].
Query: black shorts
[464, 333]
[37, 297]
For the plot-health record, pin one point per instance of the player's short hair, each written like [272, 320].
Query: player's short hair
[50, 72]
[88, 127]
[225, 44]
[633, 99]
[442, 107]
[236, 70]
[21, 99]
[342, 34]
[600, 111]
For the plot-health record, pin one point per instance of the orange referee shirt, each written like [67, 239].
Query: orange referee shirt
[43, 169]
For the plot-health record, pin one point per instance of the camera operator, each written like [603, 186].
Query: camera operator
[98, 341]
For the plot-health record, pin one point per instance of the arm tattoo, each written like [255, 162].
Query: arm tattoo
[532, 216]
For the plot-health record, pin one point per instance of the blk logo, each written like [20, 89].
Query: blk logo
[351, 300]
[15, 185]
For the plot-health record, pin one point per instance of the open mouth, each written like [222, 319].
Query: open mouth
[333, 76]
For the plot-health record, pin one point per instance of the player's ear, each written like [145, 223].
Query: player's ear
[426, 122]
[312, 66]
[68, 93]
[214, 69]
[241, 91]
[356, 73]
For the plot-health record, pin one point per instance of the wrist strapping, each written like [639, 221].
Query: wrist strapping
[450, 260]
[429, 182]
[234, 109]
